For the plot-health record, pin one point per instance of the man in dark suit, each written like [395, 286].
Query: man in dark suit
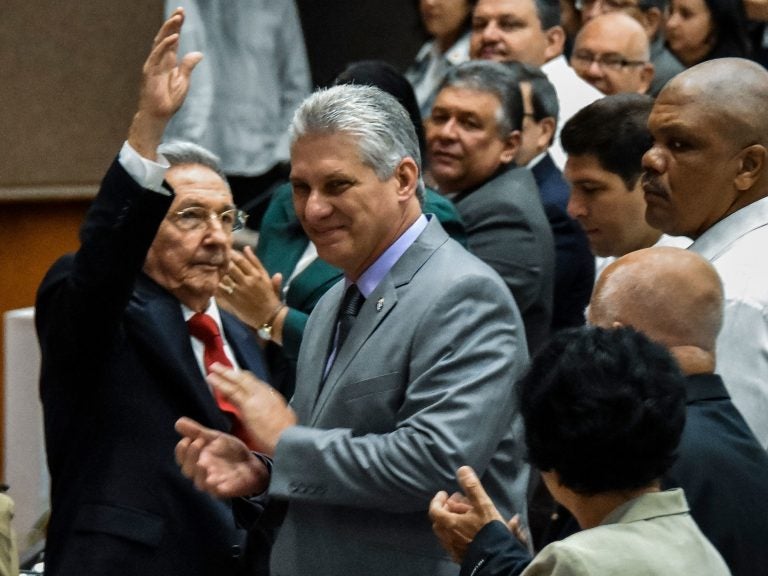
[473, 137]
[434, 344]
[574, 263]
[118, 363]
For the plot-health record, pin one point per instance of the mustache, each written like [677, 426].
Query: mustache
[652, 184]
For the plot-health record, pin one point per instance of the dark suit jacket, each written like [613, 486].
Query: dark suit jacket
[574, 262]
[724, 471]
[665, 65]
[508, 230]
[117, 371]
[282, 242]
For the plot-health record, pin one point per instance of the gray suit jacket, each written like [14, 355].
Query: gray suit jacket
[423, 384]
[508, 230]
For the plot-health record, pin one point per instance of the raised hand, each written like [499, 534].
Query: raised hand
[165, 83]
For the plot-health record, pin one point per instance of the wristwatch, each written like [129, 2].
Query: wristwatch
[265, 330]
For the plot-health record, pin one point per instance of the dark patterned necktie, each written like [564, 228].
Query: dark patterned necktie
[350, 306]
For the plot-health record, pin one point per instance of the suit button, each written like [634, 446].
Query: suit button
[236, 551]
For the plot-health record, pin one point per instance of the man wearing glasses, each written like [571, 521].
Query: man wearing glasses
[611, 52]
[127, 327]
[651, 14]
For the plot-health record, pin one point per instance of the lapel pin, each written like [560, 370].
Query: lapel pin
[379, 304]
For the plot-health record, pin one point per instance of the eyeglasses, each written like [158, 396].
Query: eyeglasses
[197, 218]
[614, 62]
[607, 5]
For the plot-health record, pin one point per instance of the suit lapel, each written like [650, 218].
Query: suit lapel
[157, 320]
[373, 314]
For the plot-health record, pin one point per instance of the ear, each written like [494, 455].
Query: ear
[407, 176]
[752, 161]
[547, 132]
[555, 42]
[511, 147]
[651, 19]
[646, 77]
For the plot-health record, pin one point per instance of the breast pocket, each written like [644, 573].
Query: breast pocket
[371, 405]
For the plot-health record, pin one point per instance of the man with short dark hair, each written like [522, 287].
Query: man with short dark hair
[574, 263]
[706, 177]
[605, 143]
[529, 31]
[120, 363]
[473, 136]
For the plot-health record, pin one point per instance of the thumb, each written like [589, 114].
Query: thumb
[189, 62]
[472, 488]
[277, 282]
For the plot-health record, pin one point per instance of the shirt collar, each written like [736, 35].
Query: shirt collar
[376, 272]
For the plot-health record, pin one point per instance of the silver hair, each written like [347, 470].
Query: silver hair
[494, 78]
[382, 128]
[179, 152]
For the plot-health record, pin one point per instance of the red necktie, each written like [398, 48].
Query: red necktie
[205, 329]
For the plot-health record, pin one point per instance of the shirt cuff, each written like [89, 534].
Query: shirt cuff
[146, 173]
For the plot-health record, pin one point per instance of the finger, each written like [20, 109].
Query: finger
[277, 284]
[170, 26]
[437, 502]
[472, 487]
[253, 260]
[164, 47]
[192, 429]
[189, 62]
[181, 450]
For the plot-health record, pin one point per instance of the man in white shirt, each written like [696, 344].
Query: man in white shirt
[706, 177]
[529, 31]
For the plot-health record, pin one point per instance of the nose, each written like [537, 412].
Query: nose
[447, 129]
[590, 11]
[490, 32]
[315, 207]
[654, 160]
[216, 233]
[673, 20]
[576, 206]
[594, 69]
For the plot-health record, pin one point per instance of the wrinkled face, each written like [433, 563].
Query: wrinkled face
[350, 215]
[611, 215]
[689, 171]
[464, 145]
[444, 18]
[505, 30]
[612, 58]
[690, 30]
[190, 263]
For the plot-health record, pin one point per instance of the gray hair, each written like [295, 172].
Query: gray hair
[382, 128]
[180, 152]
[494, 78]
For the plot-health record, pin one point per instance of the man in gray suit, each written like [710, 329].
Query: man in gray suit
[473, 137]
[393, 393]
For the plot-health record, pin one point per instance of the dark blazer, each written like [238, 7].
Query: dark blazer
[508, 230]
[724, 471]
[665, 65]
[574, 262]
[117, 371]
[282, 242]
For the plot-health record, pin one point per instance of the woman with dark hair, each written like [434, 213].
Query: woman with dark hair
[699, 30]
[447, 22]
